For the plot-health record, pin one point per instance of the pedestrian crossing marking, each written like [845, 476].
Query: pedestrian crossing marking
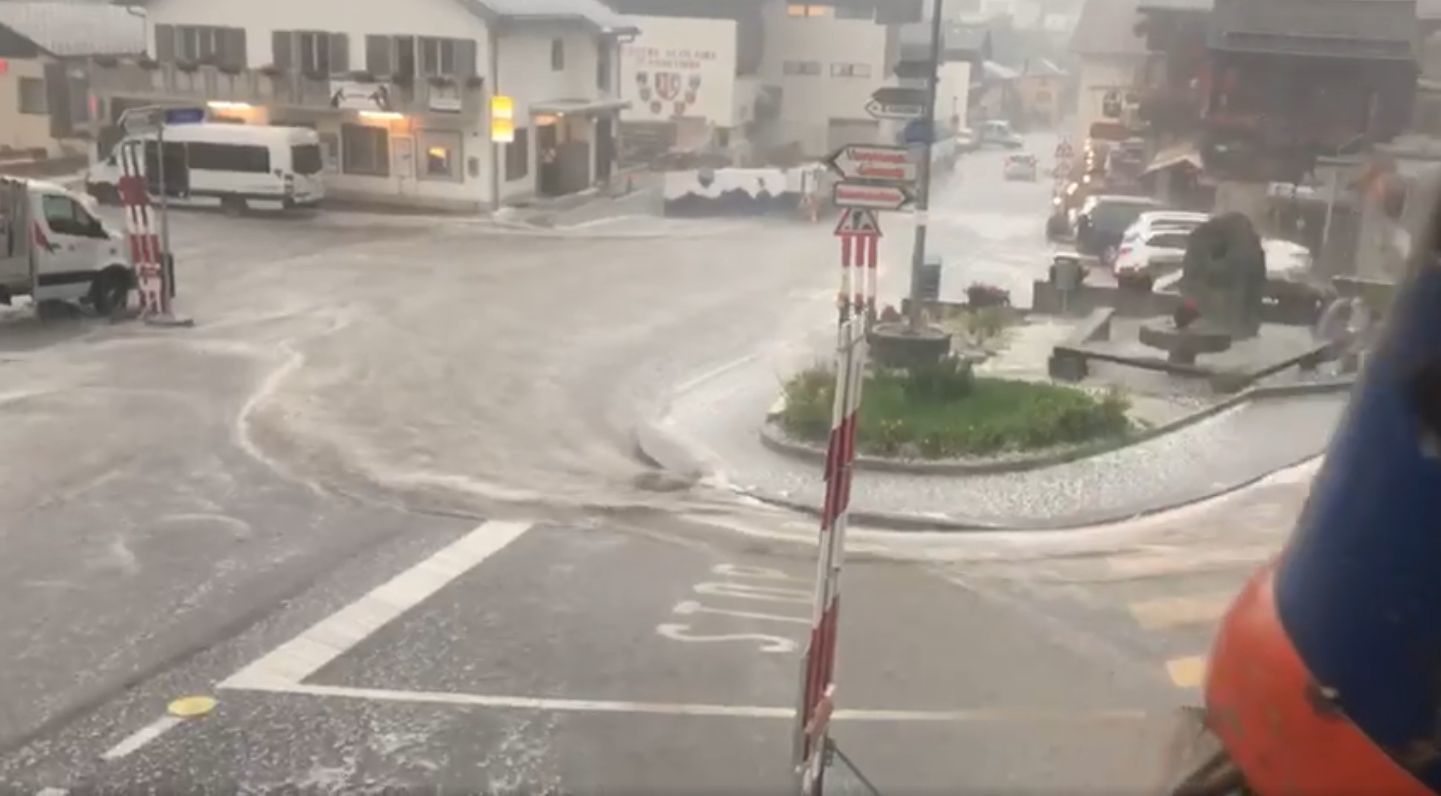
[1187, 672]
[1167, 612]
[1183, 559]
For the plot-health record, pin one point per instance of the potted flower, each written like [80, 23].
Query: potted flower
[187, 66]
[441, 81]
[147, 63]
[271, 71]
[475, 82]
[107, 61]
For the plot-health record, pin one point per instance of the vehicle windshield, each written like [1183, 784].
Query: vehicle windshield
[504, 396]
[306, 158]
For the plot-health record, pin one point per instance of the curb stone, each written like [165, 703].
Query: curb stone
[775, 439]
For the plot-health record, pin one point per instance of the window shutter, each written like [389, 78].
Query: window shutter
[282, 48]
[232, 48]
[339, 53]
[377, 55]
[165, 43]
[465, 58]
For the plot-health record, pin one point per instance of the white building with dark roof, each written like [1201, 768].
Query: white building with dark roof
[44, 93]
[400, 93]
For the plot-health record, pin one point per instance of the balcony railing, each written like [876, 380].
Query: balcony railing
[174, 83]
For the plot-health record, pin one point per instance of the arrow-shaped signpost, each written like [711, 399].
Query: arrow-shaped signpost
[871, 162]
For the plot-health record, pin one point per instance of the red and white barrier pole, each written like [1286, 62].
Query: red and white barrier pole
[818, 686]
[147, 253]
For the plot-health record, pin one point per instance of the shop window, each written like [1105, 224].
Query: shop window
[365, 150]
[440, 153]
[517, 156]
[801, 67]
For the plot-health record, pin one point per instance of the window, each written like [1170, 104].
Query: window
[314, 53]
[850, 70]
[32, 96]
[517, 156]
[305, 158]
[65, 217]
[365, 150]
[801, 67]
[229, 157]
[810, 10]
[449, 57]
[858, 11]
[603, 67]
[440, 151]
[201, 44]
[330, 152]
[557, 54]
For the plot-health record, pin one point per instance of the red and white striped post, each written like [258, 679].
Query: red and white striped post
[147, 252]
[818, 686]
[860, 234]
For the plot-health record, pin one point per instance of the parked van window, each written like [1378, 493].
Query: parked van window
[65, 216]
[229, 157]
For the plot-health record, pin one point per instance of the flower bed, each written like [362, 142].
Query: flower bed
[944, 413]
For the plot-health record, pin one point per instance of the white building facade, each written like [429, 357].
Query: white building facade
[401, 94]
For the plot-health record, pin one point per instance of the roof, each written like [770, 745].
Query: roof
[995, 71]
[592, 12]
[76, 28]
[1041, 67]
[275, 135]
[1175, 5]
[1363, 29]
[1108, 27]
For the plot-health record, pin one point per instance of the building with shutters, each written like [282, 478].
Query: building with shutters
[400, 93]
[44, 92]
[779, 80]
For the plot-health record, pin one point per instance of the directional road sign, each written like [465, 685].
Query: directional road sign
[896, 102]
[870, 162]
[871, 196]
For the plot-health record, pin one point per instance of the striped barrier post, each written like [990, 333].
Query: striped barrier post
[145, 249]
[818, 686]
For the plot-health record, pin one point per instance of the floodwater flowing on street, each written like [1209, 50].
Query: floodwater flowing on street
[449, 397]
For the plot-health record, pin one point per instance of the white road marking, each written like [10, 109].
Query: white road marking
[1167, 612]
[1160, 562]
[1188, 672]
[138, 739]
[328, 639]
[746, 591]
[51, 792]
[975, 715]
[689, 607]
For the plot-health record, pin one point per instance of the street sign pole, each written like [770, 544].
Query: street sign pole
[923, 190]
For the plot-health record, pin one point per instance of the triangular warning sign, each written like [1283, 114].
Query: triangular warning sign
[860, 222]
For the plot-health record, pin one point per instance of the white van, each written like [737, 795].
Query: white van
[233, 165]
[54, 248]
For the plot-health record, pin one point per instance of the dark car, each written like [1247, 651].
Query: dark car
[1103, 220]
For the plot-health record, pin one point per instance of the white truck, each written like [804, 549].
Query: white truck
[54, 248]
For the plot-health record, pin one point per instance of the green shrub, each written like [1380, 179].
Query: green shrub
[944, 412]
[949, 379]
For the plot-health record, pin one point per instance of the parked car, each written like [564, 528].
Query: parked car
[1286, 261]
[1152, 253]
[1020, 167]
[1153, 220]
[1103, 221]
[998, 132]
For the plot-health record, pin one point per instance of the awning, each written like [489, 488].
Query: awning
[1176, 155]
[564, 106]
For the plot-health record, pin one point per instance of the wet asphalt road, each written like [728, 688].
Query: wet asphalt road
[448, 408]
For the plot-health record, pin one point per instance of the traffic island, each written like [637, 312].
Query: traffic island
[943, 413]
